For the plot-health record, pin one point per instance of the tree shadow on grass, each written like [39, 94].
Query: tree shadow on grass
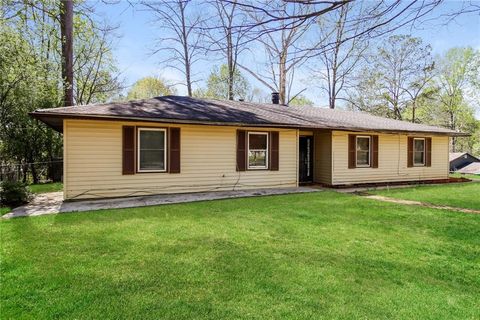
[218, 260]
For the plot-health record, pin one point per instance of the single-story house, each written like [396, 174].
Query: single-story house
[459, 160]
[175, 144]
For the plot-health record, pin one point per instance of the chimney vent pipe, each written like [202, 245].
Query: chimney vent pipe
[275, 98]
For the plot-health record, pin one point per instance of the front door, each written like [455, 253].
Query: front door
[305, 163]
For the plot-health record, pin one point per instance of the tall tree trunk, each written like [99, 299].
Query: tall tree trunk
[66, 26]
[396, 109]
[188, 78]
[414, 108]
[282, 88]
[334, 89]
[34, 173]
[186, 54]
[332, 83]
[33, 169]
[452, 127]
[454, 144]
[25, 172]
[338, 43]
[231, 70]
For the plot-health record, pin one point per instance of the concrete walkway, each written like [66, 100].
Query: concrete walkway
[51, 203]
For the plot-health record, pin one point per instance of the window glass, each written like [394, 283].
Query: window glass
[151, 149]
[363, 151]
[419, 151]
[257, 159]
[257, 150]
[258, 141]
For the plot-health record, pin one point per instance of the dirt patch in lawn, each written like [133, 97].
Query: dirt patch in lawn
[416, 203]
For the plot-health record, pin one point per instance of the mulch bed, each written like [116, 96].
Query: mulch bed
[403, 183]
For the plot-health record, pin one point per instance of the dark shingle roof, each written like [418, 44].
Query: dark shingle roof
[177, 109]
[455, 155]
[472, 168]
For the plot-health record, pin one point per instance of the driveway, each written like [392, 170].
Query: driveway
[52, 202]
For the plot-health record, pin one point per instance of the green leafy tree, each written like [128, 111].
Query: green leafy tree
[475, 141]
[24, 87]
[457, 96]
[31, 78]
[367, 95]
[301, 100]
[150, 87]
[218, 85]
[395, 77]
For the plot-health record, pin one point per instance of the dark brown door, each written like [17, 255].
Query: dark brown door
[305, 163]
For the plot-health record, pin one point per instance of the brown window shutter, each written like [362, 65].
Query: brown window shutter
[374, 151]
[241, 150]
[128, 150]
[274, 156]
[351, 151]
[428, 152]
[410, 152]
[174, 150]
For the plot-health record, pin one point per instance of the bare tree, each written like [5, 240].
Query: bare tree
[416, 89]
[95, 72]
[222, 37]
[387, 16]
[180, 37]
[391, 81]
[282, 54]
[66, 27]
[339, 62]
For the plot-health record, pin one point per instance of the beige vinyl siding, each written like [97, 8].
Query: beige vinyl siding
[93, 162]
[65, 164]
[392, 160]
[323, 157]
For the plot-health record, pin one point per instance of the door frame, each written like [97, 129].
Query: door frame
[312, 157]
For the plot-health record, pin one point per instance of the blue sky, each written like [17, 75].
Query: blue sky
[137, 34]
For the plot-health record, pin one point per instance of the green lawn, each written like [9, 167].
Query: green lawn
[463, 195]
[468, 176]
[46, 187]
[4, 210]
[305, 256]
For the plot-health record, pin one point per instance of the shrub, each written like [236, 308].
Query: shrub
[14, 193]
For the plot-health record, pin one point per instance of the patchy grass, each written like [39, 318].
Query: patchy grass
[462, 195]
[46, 187]
[4, 210]
[304, 256]
[468, 176]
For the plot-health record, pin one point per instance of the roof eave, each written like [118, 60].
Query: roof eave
[440, 133]
[46, 118]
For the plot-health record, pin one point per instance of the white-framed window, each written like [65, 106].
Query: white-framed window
[363, 151]
[418, 151]
[257, 150]
[151, 150]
